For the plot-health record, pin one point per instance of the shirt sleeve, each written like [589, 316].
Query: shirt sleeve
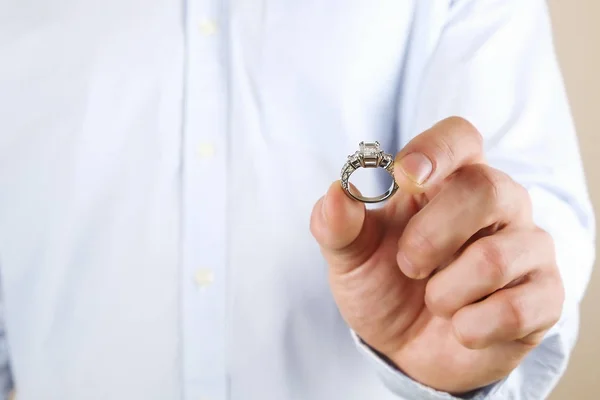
[493, 62]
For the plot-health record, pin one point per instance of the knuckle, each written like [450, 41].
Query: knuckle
[463, 336]
[493, 263]
[417, 240]
[466, 129]
[497, 191]
[524, 199]
[488, 183]
[455, 141]
[491, 187]
[546, 242]
[436, 300]
[446, 148]
[462, 124]
[457, 121]
[514, 319]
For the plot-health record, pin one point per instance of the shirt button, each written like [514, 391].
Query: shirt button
[208, 28]
[206, 150]
[204, 277]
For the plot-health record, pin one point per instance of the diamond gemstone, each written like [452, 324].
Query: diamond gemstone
[369, 148]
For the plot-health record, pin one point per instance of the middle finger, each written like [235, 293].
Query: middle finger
[474, 198]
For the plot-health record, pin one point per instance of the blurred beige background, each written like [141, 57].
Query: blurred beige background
[577, 38]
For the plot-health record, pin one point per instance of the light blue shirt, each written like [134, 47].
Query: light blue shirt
[159, 161]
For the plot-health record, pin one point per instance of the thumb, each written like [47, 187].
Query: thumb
[344, 229]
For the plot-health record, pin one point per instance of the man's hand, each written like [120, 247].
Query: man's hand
[451, 280]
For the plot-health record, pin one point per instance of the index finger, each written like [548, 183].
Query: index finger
[429, 158]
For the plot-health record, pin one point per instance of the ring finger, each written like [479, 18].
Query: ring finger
[487, 265]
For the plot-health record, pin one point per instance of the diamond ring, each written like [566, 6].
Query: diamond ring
[369, 155]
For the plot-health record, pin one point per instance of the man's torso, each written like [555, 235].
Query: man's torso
[158, 166]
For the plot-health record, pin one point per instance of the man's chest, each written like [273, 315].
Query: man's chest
[158, 166]
[195, 117]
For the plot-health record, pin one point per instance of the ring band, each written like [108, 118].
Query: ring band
[369, 155]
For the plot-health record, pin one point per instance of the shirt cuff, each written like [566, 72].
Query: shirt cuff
[406, 388]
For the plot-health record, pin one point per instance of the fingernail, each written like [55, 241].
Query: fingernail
[417, 167]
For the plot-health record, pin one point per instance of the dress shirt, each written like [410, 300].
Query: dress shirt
[159, 161]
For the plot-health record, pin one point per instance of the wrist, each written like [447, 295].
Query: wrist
[439, 375]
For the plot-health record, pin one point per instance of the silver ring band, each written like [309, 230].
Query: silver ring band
[369, 155]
